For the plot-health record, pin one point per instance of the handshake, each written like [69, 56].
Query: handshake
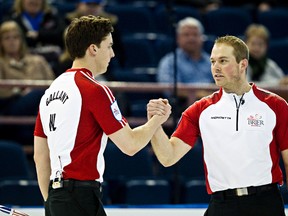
[159, 108]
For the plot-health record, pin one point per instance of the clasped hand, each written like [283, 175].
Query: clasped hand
[159, 107]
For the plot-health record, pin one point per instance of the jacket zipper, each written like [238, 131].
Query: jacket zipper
[241, 102]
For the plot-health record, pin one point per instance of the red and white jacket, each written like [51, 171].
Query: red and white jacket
[242, 139]
[76, 114]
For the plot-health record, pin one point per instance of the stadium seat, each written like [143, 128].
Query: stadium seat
[149, 191]
[284, 192]
[163, 45]
[140, 61]
[276, 20]
[5, 9]
[14, 163]
[194, 191]
[139, 52]
[140, 66]
[189, 167]
[135, 2]
[227, 21]
[166, 19]
[119, 168]
[106, 200]
[122, 166]
[278, 52]
[64, 7]
[20, 193]
[132, 19]
[209, 43]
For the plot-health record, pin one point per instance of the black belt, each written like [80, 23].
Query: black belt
[245, 191]
[78, 183]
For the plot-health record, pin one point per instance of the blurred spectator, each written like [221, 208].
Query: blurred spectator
[97, 8]
[42, 26]
[91, 7]
[17, 63]
[65, 62]
[261, 68]
[202, 5]
[193, 63]
[284, 81]
[260, 5]
[40, 23]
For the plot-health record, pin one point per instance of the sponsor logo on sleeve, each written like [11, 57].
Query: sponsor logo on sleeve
[116, 111]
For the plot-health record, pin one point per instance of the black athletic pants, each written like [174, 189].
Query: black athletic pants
[263, 203]
[74, 200]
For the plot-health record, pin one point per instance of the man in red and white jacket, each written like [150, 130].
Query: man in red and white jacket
[77, 115]
[244, 130]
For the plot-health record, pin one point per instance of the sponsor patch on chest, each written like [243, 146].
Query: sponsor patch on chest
[255, 120]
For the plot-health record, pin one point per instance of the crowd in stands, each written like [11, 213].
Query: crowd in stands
[17, 63]
[42, 27]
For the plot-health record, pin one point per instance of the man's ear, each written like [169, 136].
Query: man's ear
[93, 48]
[244, 64]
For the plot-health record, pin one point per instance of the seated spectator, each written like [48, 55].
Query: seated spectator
[91, 7]
[17, 63]
[258, 5]
[284, 81]
[97, 8]
[42, 26]
[261, 69]
[64, 62]
[40, 23]
[202, 5]
[193, 63]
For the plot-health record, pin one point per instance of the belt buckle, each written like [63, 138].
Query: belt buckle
[242, 191]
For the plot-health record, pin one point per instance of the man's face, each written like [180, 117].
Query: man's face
[224, 67]
[190, 39]
[104, 54]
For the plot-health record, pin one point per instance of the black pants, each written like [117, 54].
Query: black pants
[268, 203]
[74, 201]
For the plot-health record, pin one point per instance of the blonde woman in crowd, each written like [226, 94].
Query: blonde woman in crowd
[17, 63]
[41, 24]
[261, 69]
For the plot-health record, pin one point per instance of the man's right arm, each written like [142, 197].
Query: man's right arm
[130, 141]
[42, 162]
[168, 151]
